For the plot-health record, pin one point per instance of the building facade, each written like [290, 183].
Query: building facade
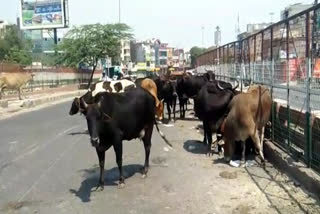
[125, 53]
[163, 55]
[3, 26]
[293, 9]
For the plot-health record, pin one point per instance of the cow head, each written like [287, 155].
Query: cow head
[75, 106]
[171, 87]
[94, 117]
[228, 147]
[210, 76]
[159, 110]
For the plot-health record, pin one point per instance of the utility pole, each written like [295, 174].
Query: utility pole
[119, 11]
[55, 39]
[271, 16]
[202, 29]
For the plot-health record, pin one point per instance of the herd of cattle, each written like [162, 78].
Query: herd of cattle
[124, 110]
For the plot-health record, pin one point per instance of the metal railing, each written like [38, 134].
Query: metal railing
[285, 57]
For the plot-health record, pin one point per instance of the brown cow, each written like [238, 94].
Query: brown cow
[150, 85]
[248, 115]
[14, 81]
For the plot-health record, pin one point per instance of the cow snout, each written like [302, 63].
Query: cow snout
[175, 94]
[95, 141]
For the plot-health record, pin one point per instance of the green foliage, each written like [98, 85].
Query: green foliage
[14, 48]
[88, 44]
[194, 53]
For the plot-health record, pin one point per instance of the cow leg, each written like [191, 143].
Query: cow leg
[147, 146]
[174, 102]
[187, 100]
[209, 137]
[204, 124]
[255, 138]
[181, 105]
[219, 138]
[118, 150]
[101, 156]
[169, 110]
[243, 153]
[19, 93]
[262, 138]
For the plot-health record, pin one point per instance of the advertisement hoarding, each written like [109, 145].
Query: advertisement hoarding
[42, 14]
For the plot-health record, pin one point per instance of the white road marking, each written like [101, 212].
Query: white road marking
[47, 170]
[13, 142]
[34, 147]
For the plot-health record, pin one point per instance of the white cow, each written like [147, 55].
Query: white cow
[117, 86]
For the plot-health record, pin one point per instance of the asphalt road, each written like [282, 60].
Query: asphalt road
[47, 165]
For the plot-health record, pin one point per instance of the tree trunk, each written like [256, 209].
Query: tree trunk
[94, 68]
[90, 80]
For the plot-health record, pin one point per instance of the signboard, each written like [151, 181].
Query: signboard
[40, 14]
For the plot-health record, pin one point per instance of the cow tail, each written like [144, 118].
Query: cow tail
[162, 135]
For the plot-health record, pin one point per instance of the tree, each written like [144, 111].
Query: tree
[14, 48]
[88, 44]
[194, 53]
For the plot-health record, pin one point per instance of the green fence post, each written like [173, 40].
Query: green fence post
[272, 96]
[308, 116]
[288, 87]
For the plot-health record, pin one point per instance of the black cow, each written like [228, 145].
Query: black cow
[189, 86]
[117, 117]
[169, 95]
[211, 105]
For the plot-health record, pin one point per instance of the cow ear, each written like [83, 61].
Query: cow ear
[77, 101]
[83, 104]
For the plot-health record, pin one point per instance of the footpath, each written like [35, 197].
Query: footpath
[10, 105]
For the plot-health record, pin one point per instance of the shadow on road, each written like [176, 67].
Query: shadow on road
[195, 147]
[111, 177]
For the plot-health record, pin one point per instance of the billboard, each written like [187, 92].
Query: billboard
[40, 14]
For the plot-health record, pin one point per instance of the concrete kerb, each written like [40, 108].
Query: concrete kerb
[39, 101]
[301, 174]
[31, 103]
[4, 103]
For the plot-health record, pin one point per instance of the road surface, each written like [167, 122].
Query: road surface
[47, 165]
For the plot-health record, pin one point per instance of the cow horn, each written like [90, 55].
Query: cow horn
[219, 86]
[162, 100]
[85, 105]
[99, 103]
[236, 85]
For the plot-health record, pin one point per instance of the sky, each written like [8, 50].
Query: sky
[177, 22]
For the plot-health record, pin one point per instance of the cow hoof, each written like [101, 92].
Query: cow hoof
[144, 176]
[242, 164]
[209, 154]
[121, 185]
[263, 164]
[99, 188]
